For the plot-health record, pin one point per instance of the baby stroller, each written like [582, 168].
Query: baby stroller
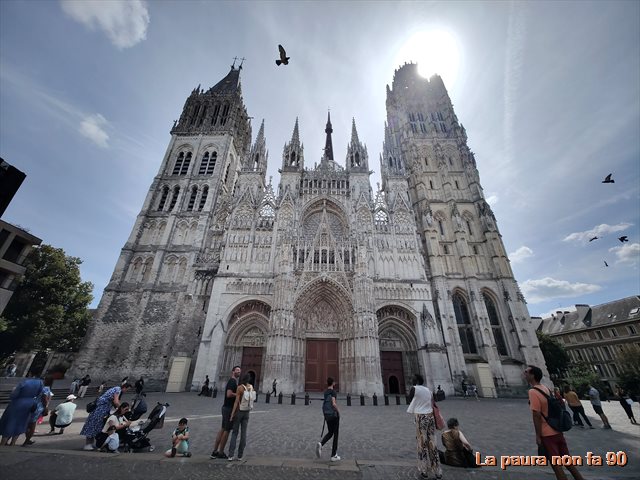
[136, 439]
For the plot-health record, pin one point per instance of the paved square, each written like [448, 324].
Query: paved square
[375, 443]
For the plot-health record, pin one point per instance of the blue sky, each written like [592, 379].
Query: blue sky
[549, 94]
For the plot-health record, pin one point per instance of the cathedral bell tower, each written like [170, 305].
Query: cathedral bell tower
[161, 286]
[476, 299]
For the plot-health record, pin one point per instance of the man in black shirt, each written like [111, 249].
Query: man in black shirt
[227, 407]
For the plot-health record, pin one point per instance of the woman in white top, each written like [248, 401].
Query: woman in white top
[118, 420]
[422, 407]
[245, 396]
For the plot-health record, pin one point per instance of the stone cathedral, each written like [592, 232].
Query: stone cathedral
[317, 276]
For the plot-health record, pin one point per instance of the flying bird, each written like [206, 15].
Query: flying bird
[283, 56]
[623, 238]
[605, 263]
[592, 239]
[608, 179]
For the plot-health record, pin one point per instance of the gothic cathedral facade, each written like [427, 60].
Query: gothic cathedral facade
[320, 276]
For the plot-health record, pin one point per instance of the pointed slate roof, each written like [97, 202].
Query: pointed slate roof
[228, 84]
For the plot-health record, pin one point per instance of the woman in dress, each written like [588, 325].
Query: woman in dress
[626, 402]
[16, 417]
[95, 420]
[422, 407]
[42, 407]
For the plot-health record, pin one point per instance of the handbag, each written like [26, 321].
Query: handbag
[438, 417]
[91, 406]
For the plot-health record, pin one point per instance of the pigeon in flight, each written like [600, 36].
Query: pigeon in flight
[594, 238]
[283, 56]
[623, 238]
[608, 179]
[605, 263]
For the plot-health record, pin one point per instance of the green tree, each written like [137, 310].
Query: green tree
[628, 361]
[555, 355]
[580, 375]
[49, 308]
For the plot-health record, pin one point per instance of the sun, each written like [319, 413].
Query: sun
[435, 52]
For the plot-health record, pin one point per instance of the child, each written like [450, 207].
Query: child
[112, 442]
[180, 439]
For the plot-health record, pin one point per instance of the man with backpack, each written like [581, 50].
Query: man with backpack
[546, 412]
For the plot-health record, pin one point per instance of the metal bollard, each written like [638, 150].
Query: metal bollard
[280, 398]
[257, 397]
[362, 399]
[375, 400]
[267, 398]
[397, 399]
[306, 399]
[386, 400]
[348, 399]
[215, 393]
[293, 398]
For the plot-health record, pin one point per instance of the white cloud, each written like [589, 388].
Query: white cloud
[92, 127]
[627, 253]
[547, 288]
[492, 199]
[124, 21]
[521, 254]
[597, 231]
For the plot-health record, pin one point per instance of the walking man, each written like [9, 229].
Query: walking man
[332, 417]
[550, 442]
[227, 407]
[273, 388]
[594, 396]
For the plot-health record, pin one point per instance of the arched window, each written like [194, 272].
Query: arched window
[134, 272]
[163, 198]
[216, 112]
[192, 198]
[292, 159]
[212, 163]
[226, 174]
[178, 166]
[195, 114]
[357, 159]
[256, 162]
[146, 269]
[174, 198]
[496, 327]
[203, 197]
[204, 163]
[225, 114]
[464, 324]
[202, 115]
[185, 165]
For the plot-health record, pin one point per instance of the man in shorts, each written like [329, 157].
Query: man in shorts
[550, 442]
[594, 396]
[227, 407]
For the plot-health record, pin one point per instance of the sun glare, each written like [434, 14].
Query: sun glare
[435, 51]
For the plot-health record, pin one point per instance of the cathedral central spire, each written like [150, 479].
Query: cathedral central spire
[328, 146]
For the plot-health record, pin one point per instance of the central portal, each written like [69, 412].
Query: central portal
[322, 362]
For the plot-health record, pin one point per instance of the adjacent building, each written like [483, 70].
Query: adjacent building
[595, 335]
